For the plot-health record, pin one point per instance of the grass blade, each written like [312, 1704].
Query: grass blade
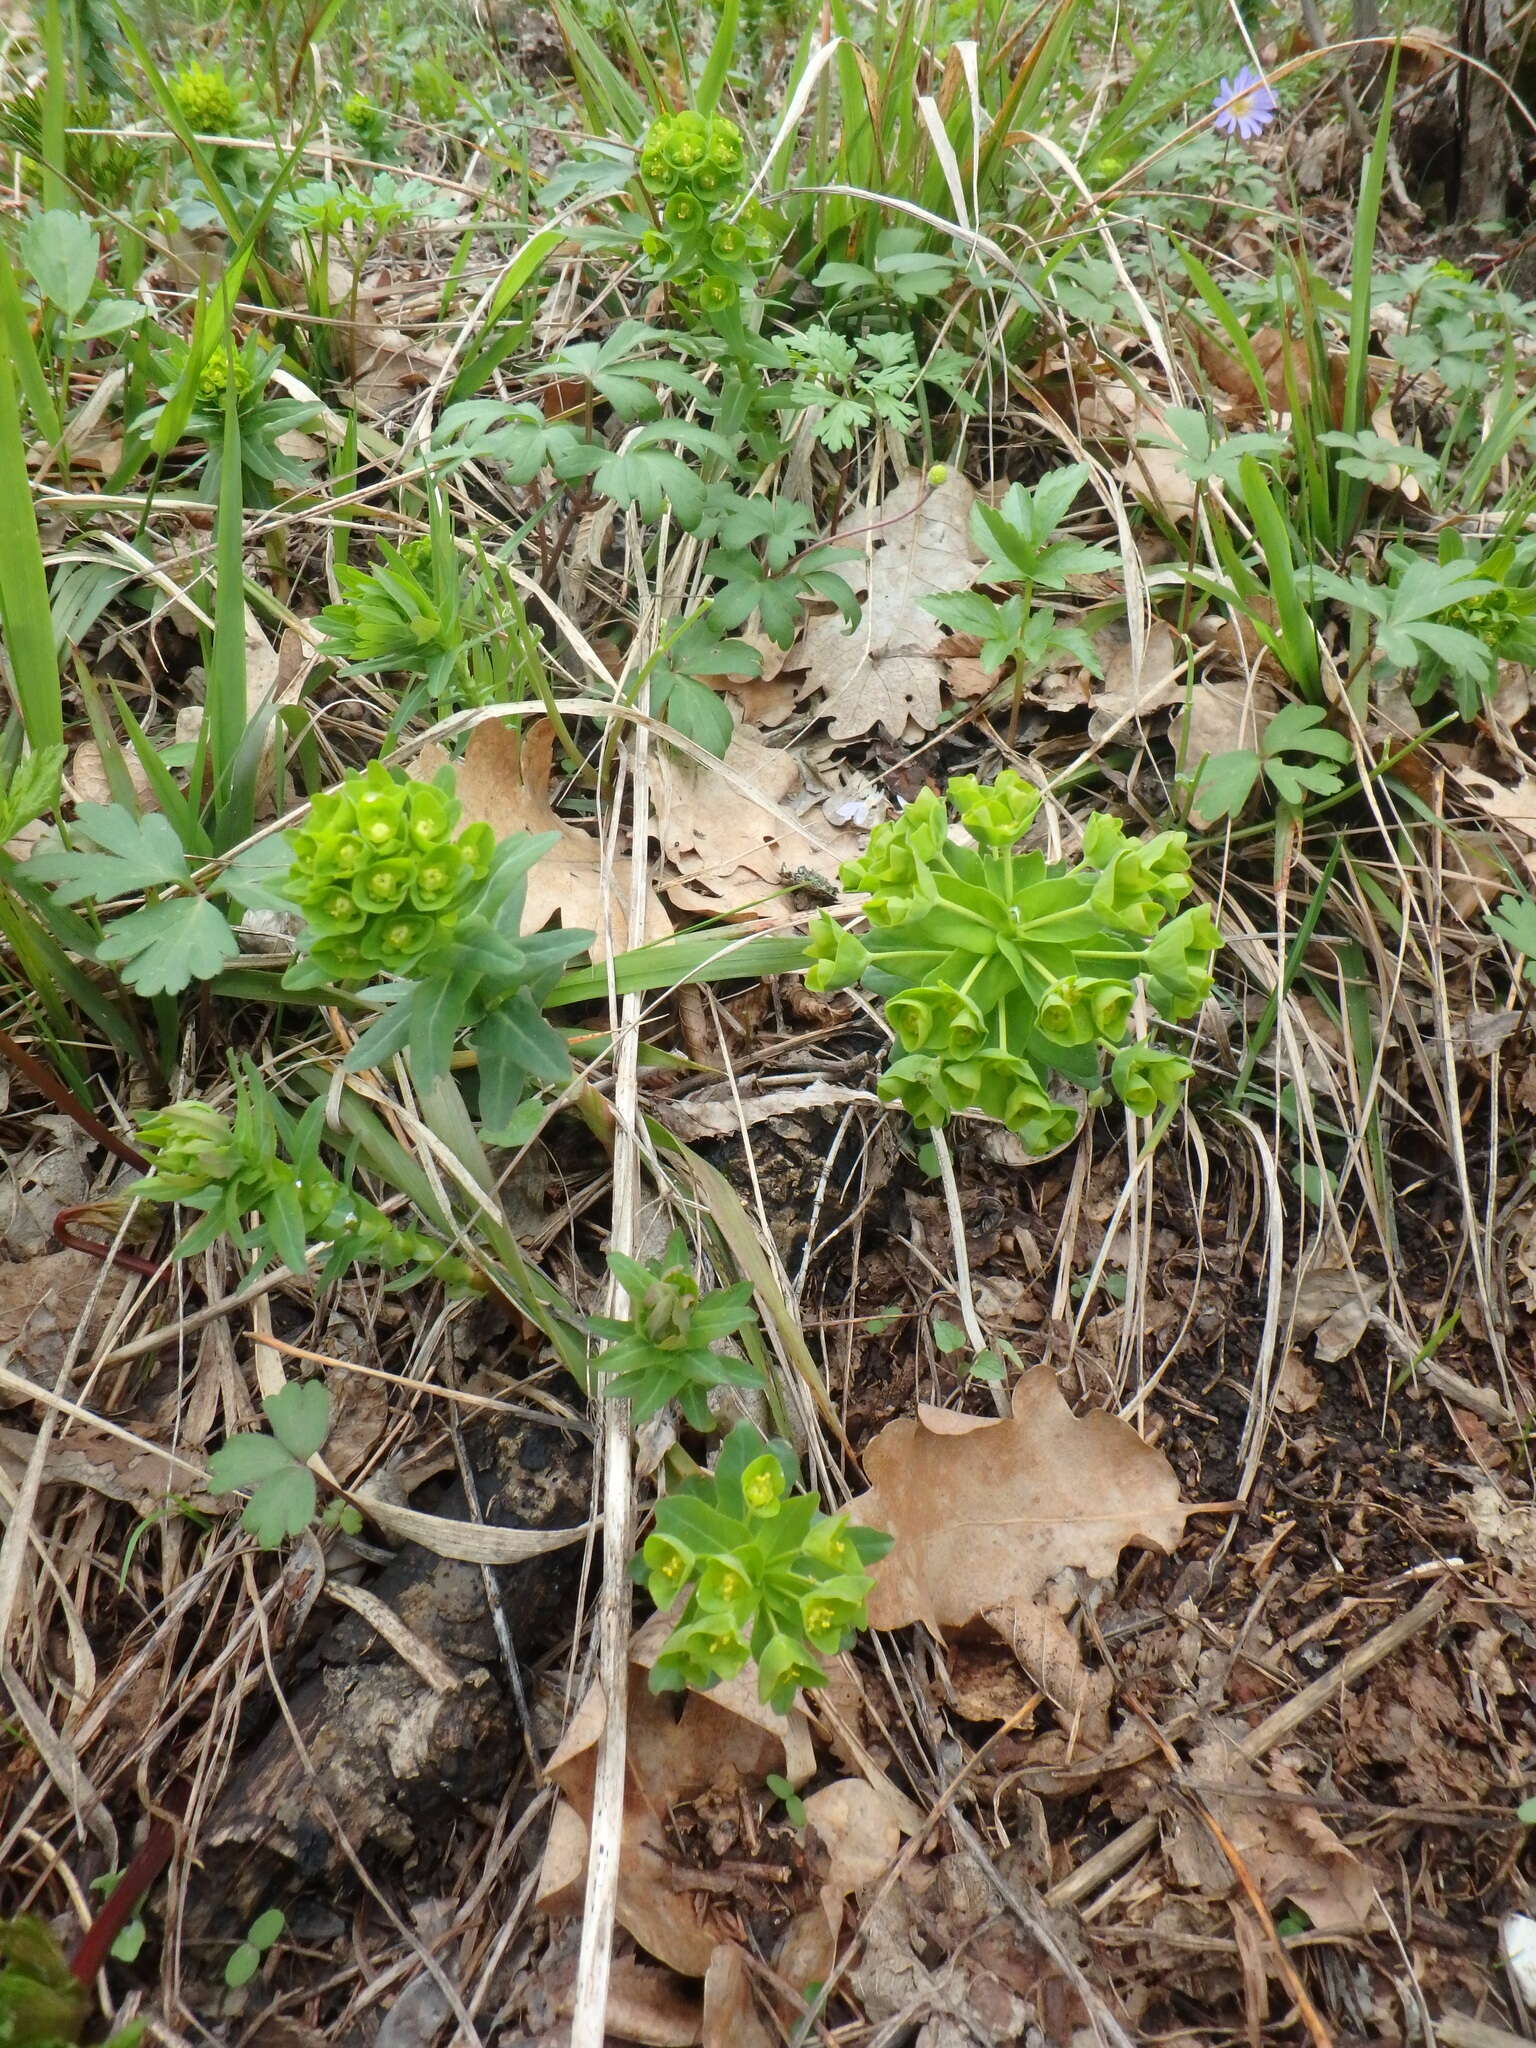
[26, 621]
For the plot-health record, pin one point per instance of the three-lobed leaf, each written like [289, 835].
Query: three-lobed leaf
[165, 946]
[300, 1415]
[135, 854]
[284, 1497]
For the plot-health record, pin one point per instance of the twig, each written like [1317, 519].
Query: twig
[1274, 1729]
[589, 2016]
[1460, 2030]
[1311, 2017]
[1029, 1913]
[975, 1336]
[46, 1082]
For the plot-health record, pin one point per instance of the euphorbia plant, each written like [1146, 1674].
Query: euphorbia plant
[258, 1177]
[769, 1577]
[1002, 971]
[664, 1350]
[424, 920]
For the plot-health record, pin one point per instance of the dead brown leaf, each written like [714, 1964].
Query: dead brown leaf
[504, 778]
[645, 2005]
[1297, 1388]
[1132, 689]
[1221, 718]
[670, 1758]
[1288, 1849]
[1504, 1530]
[139, 1477]
[1156, 476]
[1512, 806]
[43, 1303]
[731, 2019]
[987, 1513]
[886, 672]
[386, 365]
[729, 834]
[1051, 1656]
[1334, 1304]
[723, 1110]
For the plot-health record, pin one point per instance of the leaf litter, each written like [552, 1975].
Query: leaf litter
[1050, 1586]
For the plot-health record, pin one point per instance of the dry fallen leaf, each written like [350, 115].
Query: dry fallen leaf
[504, 779]
[727, 831]
[722, 1111]
[731, 2019]
[1158, 478]
[987, 1513]
[1503, 1530]
[1130, 689]
[1297, 1387]
[886, 671]
[1515, 807]
[1334, 1304]
[386, 365]
[861, 1831]
[645, 2005]
[724, 1737]
[1052, 1659]
[138, 1475]
[1221, 718]
[43, 1303]
[1290, 1852]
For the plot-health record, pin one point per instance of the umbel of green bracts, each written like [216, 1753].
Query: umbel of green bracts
[41, 2003]
[206, 100]
[664, 1350]
[694, 169]
[769, 1578]
[259, 1178]
[381, 876]
[423, 923]
[1002, 972]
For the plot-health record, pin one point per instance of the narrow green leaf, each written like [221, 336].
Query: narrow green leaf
[16, 335]
[1298, 638]
[26, 620]
[224, 716]
[721, 51]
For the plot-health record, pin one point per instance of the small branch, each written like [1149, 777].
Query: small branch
[1274, 1729]
[975, 1335]
[127, 1895]
[47, 1082]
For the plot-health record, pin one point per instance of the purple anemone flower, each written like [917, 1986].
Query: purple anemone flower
[1245, 105]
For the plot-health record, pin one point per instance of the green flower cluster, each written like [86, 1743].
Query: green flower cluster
[435, 90]
[1000, 970]
[380, 876]
[234, 1171]
[220, 370]
[367, 124]
[664, 1349]
[206, 100]
[769, 1577]
[694, 169]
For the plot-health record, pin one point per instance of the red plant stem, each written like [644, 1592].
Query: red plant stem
[89, 1245]
[127, 1893]
[47, 1082]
